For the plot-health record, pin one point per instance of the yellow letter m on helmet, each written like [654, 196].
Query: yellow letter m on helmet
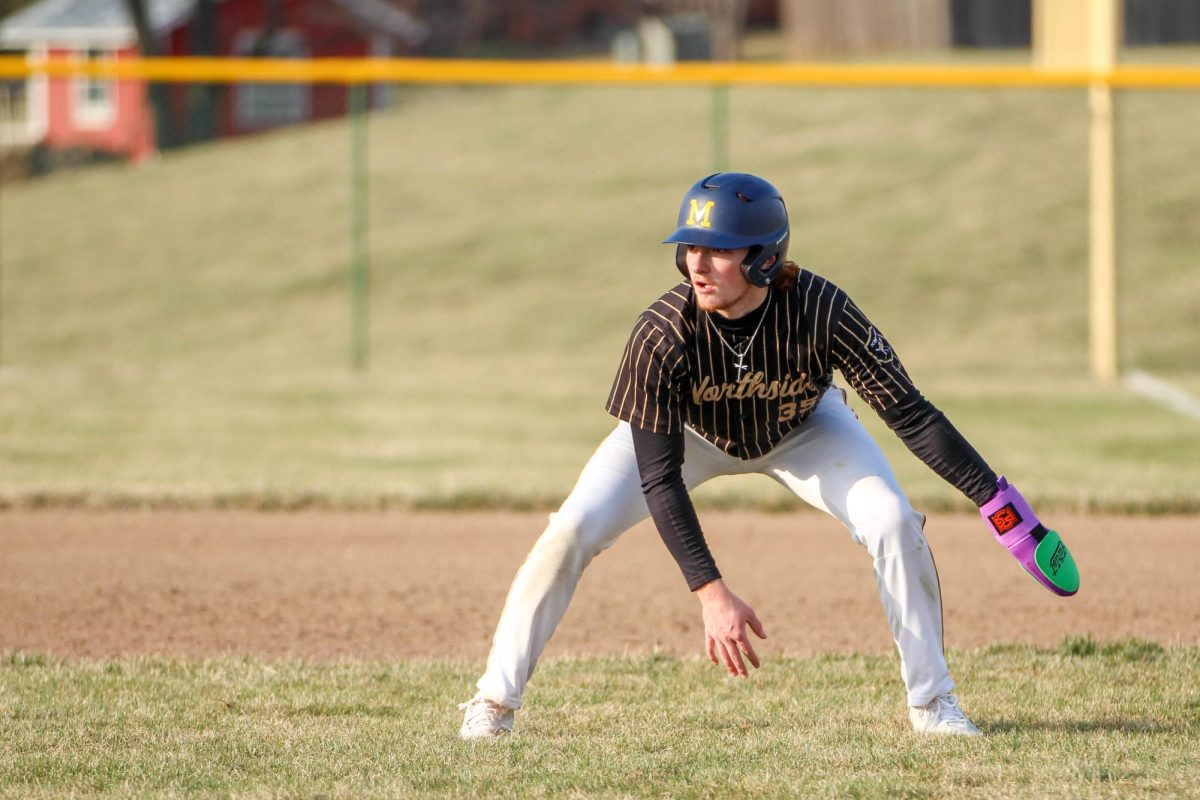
[699, 215]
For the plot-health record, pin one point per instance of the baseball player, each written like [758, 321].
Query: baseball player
[731, 372]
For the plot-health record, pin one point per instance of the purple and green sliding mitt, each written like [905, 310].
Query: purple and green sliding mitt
[1039, 550]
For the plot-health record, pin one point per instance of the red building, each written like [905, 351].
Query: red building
[118, 117]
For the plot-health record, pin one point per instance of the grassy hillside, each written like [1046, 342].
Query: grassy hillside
[181, 330]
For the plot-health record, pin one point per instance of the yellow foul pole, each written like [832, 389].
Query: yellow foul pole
[1083, 34]
[1103, 27]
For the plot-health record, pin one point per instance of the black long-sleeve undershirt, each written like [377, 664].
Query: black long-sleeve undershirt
[660, 463]
[925, 430]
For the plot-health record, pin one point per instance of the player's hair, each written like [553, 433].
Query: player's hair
[785, 281]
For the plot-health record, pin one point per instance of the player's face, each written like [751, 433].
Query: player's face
[718, 281]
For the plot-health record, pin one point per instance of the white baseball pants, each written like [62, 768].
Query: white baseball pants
[830, 462]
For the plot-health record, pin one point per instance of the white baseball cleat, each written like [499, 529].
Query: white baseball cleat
[942, 715]
[484, 719]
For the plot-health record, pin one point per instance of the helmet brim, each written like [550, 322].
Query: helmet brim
[703, 237]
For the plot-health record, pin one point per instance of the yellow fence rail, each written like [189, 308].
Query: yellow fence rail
[460, 71]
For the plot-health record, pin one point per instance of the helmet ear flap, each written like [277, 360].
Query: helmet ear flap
[681, 260]
[755, 268]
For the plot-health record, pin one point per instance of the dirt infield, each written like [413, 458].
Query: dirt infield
[331, 585]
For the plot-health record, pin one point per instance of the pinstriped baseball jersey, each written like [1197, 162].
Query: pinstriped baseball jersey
[677, 371]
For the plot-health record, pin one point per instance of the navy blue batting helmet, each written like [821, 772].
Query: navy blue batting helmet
[729, 211]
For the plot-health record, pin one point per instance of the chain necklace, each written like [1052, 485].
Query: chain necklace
[740, 363]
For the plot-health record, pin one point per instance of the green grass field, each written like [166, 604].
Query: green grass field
[1085, 721]
[179, 332]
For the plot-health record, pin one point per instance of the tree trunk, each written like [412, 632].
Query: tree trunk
[202, 97]
[159, 101]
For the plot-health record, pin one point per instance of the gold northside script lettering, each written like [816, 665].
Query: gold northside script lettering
[753, 384]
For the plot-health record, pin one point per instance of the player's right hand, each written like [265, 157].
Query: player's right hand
[725, 619]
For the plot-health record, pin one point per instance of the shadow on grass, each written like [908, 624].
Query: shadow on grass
[1086, 726]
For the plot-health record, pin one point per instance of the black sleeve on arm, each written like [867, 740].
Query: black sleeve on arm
[930, 436]
[660, 463]
[874, 370]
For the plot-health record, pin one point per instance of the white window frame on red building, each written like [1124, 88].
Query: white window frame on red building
[93, 101]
